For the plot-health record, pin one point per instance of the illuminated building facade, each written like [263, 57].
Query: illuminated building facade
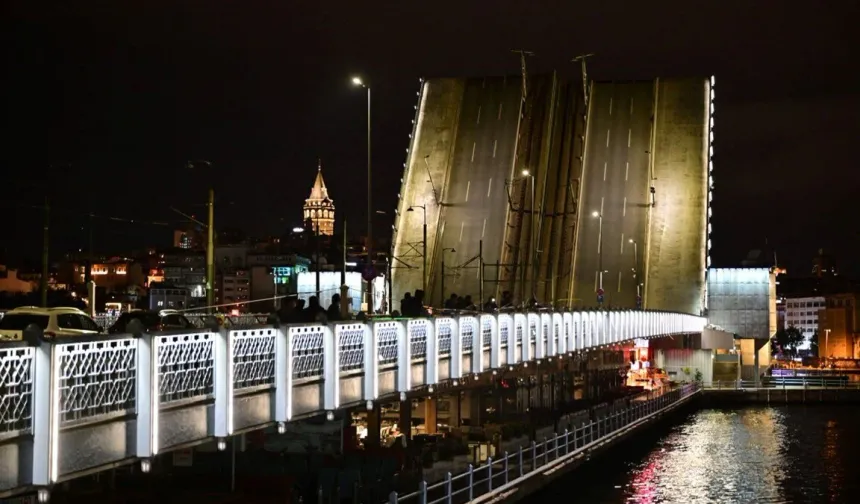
[319, 208]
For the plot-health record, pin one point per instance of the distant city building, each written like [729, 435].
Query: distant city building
[235, 288]
[11, 282]
[319, 208]
[822, 265]
[839, 327]
[802, 313]
[163, 296]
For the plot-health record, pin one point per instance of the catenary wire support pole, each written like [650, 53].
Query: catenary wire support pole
[43, 281]
[581, 59]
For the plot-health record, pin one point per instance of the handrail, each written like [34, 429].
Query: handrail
[487, 481]
[784, 383]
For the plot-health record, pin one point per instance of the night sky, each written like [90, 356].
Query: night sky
[105, 103]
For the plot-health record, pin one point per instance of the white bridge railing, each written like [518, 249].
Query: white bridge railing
[498, 477]
[48, 385]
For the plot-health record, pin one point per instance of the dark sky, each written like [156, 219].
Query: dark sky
[104, 103]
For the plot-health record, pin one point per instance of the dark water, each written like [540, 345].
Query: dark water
[787, 454]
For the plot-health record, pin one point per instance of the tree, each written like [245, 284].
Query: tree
[789, 339]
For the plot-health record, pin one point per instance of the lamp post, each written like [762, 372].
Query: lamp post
[636, 266]
[357, 81]
[599, 216]
[424, 271]
[532, 242]
[443, 273]
[210, 242]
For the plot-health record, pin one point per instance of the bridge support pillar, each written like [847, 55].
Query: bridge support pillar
[430, 419]
[405, 421]
[374, 425]
[455, 410]
[475, 406]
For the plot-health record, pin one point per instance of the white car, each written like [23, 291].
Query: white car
[53, 321]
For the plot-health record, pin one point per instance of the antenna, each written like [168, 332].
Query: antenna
[523, 54]
[581, 58]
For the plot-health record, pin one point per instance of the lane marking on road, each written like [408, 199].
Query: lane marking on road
[601, 205]
[624, 208]
[499, 118]
[468, 186]
[607, 138]
[495, 145]
[629, 136]
[483, 228]
[626, 170]
[622, 243]
[462, 223]
[604, 171]
[479, 115]
[619, 281]
[489, 187]
[610, 106]
[473, 152]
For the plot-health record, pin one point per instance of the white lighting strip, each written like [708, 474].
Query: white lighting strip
[711, 94]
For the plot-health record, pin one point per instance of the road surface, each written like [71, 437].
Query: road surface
[475, 205]
[615, 195]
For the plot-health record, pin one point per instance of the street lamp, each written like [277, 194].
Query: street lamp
[443, 272]
[210, 241]
[532, 241]
[599, 216]
[635, 265]
[357, 81]
[424, 272]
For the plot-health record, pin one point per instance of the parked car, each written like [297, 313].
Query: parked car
[54, 322]
[163, 320]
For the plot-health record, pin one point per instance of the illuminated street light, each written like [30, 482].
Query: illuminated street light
[595, 214]
[298, 230]
[525, 173]
[357, 81]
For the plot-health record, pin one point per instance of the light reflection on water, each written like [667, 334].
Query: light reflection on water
[788, 454]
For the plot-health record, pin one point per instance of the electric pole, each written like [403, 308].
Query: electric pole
[581, 58]
[43, 281]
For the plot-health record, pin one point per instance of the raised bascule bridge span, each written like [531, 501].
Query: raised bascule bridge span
[574, 202]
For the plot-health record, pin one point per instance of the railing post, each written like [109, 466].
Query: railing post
[534, 456]
[520, 463]
[545, 451]
[331, 368]
[506, 468]
[404, 359]
[146, 396]
[566, 441]
[283, 375]
[222, 370]
[449, 487]
[422, 495]
[46, 407]
[490, 473]
[392, 498]
[471, 482]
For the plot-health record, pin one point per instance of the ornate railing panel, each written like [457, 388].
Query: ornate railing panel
[419, 330]
[185, 366]
[96, 377]
[351, 342]
[253, 357]
[386, 342]
[16, 388]
[307, 351]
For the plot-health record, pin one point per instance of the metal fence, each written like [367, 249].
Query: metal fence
[497, 475]
[787, 383]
